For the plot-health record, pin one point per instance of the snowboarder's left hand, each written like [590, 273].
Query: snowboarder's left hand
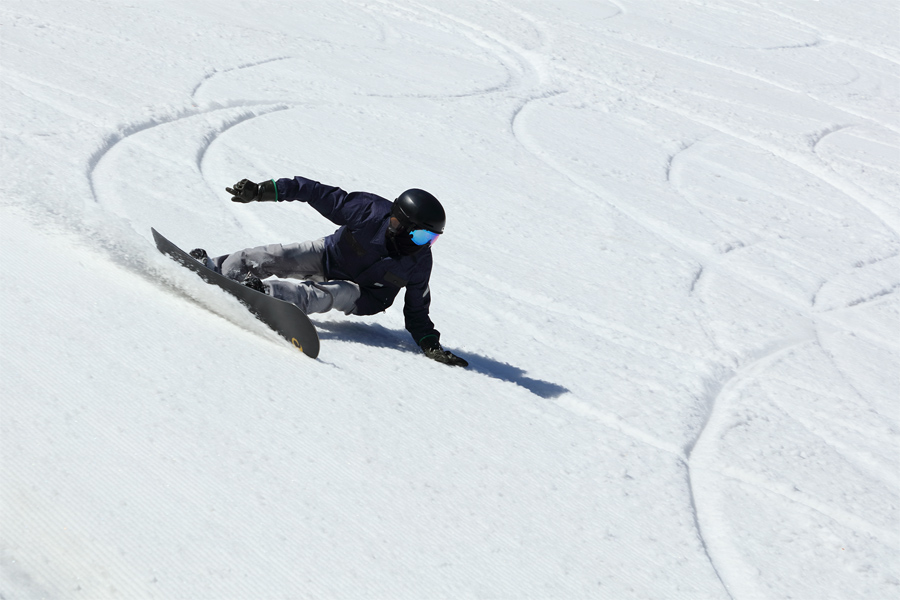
[435, 352]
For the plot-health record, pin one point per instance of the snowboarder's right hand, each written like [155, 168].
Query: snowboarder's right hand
[446, 357]
[432, 349]
[247, 191]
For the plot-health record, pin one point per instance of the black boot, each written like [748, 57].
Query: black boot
[200, 255]
[255, 283]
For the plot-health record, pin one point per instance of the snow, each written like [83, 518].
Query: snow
[672, 259]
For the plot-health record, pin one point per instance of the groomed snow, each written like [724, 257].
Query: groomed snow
[672, 258]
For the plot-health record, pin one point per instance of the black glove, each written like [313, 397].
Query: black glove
[432, 349]
[246, 191]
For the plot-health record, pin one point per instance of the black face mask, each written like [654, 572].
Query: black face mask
[400, 244]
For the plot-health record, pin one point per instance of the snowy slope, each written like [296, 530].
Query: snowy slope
[672, 259]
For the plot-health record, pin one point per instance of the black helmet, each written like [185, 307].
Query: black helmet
[417, 209]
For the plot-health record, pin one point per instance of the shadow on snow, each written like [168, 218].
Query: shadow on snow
[378, 336]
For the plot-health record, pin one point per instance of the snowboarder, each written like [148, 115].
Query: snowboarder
[379, 248]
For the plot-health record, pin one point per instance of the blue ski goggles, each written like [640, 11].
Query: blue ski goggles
[420, 237]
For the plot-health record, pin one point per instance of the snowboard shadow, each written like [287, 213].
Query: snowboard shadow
[378, 336]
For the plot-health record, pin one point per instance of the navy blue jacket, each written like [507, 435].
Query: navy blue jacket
[358, 252]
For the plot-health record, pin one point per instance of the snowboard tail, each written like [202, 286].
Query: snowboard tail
[283, 317]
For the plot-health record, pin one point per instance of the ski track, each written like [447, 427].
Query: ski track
[812, 168]
[415, 16]
[863, 461]
[790, 492]
[818, 171]
[715, 426]
[249, 65]
[873, 50]
[816, 138]
[670, 163]
[123, 134]
[230, 123]
[522, 69]
[717, 391]
[663, 231]
[64, 108]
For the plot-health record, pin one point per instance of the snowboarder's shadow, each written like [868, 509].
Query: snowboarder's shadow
[378, 336]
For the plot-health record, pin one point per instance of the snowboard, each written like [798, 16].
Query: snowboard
[285, 318]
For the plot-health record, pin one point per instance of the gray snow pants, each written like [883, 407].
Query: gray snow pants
[304, 261]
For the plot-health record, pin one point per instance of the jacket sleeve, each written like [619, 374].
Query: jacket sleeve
[415, 309]
[333, 203]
